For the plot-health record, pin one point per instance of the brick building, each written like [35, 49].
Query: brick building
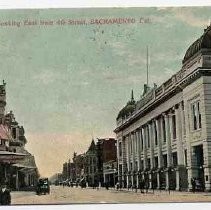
[91, 165]
[106, 148]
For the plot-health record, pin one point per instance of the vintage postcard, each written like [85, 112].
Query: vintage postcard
[105, 105]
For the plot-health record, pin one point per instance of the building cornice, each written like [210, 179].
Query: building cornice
[168, 89]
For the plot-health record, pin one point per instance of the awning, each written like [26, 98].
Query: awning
[24, 168]
[10, 157]
[27, 170]
[111, 171]
[18, 165]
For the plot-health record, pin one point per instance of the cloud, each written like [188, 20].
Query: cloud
[187, 16]
[47, 76]
[161, 8]
[159, 79]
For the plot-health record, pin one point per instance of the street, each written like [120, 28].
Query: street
[65, 195]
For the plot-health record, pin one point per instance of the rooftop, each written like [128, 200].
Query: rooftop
[204, 42]
[154, 94]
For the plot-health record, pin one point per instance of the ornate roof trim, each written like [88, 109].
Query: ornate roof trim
[204, 42]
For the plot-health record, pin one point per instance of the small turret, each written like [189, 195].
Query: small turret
[128, 109]
[2, 100]
[132, 96]
[146, 89]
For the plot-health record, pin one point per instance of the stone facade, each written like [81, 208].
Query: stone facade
[165, 137]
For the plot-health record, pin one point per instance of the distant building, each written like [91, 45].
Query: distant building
[97, 155]
[106, 150]
[110, 172]
[165, 137]
[79, 161]
[72, 172]
[91, 165]
[66, 171]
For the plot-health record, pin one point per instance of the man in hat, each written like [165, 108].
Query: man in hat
[5, 197]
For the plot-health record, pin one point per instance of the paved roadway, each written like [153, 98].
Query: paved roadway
[65, 195]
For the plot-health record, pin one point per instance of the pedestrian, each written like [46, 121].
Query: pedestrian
[141, 185]
[117, 186]
[107, 186]
[135, 187]
[129, 186]
[146, 185]
[193, 183]
[5, 196]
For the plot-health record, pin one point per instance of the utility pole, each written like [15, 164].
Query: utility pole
[147, 66]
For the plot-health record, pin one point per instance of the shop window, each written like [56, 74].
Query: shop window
[142, 165]
[164, 129]
[186, 160]
[130, 146]
[142, 143]
[136, 166]
[131, 166]
[199, 114]
[174, 127]
[156, 134]
[148, 163]
[174, 157]
[156, 162]
[148, 137]
[183, 110]
[120, 149]
[165, 163]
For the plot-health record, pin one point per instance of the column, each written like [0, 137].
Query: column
[138, 155]
[151, 138]
[158, 180]
[151, 133]
[17, 180]
[128, 162]
[133, 156]
[124, 161]
[207, 165]
[160, 161]
[180, 151]
[144, 147]
[118, 160]
[159, 139]
[168, 145]
[168, 139]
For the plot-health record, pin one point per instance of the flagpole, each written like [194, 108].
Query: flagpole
[147, 66]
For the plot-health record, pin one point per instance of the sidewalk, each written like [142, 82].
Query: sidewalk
[161, 192]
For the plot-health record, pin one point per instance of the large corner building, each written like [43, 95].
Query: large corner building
[165, 137]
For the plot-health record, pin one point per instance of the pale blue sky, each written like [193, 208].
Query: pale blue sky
[66, 83]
